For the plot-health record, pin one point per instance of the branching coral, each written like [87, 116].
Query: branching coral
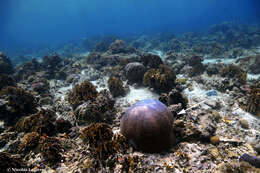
[82, 93]
[115, 86]
[99, 137]
[41, 122]
[29, 141]
[161, 79]
[50, 149]
[253, 100]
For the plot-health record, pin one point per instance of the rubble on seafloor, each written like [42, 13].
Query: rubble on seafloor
[62, 114]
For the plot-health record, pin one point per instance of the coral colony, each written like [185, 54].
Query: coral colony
[186, 102]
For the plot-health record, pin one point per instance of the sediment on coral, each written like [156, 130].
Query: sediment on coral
[82, 93]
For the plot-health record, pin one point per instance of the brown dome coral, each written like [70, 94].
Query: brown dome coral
[148, 124]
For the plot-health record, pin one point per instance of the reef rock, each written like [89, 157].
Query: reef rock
[134, 72]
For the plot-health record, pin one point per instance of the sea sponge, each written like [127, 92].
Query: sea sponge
[29, 141]
[235, 72]
[161, 79]
[5, 64]
[82, 93]
[148, 125]
[99, 137]
[40, 122]
[51, 149]
[115, 86]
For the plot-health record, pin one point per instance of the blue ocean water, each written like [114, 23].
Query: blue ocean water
[39, 23]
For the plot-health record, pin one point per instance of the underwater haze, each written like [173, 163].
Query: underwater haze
[46, 22]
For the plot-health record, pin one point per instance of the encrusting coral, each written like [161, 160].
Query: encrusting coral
[161, 79]
[82, 93]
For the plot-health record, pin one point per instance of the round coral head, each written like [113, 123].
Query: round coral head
[148, 124]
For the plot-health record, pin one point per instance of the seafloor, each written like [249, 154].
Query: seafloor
[60, 112]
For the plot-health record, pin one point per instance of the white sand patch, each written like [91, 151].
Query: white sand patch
[223, 60]
[158, 52]
[84, 54]
[100, 84]
[137, 94]
[62, 92]
[253, 76]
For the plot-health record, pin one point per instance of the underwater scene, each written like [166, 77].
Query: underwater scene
[130, 86]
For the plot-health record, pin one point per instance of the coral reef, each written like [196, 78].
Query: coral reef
[252, 104]
[234, 72]
[103, 44]
[50, 149]
[115, 86]
[8, 162]
[99, 137]
[98, 110]
[63, 126]
[5, 64]
[161, 79]
[197, 66]
[148, 124]
[27, 69]
[41, 122]
[18, 103]
[82, 93]
[134, 72]
[174, 97]
[151, 61]
[6, 80]
[29, 141]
